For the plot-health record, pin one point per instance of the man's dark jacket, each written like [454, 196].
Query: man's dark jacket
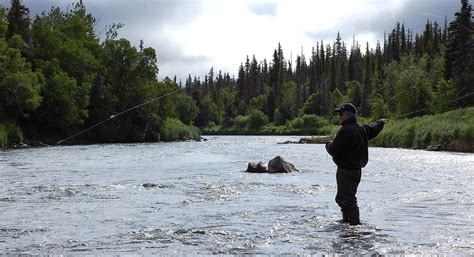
[349, 150]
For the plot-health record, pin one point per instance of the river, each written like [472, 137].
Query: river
[90, 200]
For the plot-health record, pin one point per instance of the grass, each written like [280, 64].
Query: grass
[452, 131]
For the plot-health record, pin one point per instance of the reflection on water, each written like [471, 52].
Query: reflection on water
[90, 200]
[364, 239]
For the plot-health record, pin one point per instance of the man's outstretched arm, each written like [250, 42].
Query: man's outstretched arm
[374, 129]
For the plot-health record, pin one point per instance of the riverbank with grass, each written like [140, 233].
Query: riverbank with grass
[450, 131]
[172, 129]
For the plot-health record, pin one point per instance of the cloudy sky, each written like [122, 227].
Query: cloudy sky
[190, 36]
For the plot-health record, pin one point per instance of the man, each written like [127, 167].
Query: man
[349, 151]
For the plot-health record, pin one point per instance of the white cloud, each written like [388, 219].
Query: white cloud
[190, 36]
[228, 31]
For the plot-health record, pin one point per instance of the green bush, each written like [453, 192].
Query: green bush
[271, 129]
[241, 122]
[174, 129]
[314, 121]
[256, 119]
[212, 129]
[296, 123]
[10, 134]
[3, 136]
[256, 123]
[308, 124]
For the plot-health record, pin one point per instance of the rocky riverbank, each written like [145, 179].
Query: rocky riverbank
[310, 140]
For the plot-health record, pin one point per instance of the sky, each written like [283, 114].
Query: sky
[191, 36]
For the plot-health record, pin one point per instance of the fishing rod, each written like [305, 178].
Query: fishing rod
[115, 116]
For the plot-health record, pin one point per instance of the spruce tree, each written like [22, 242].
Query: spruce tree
[396, 45]
[312, 70]
[241, 82]
[410, 42]
[459, 53]
[301, 70]
[19, 21]
[403, 40]
[445, 30]
[367, 82]
[254, 80]
[378, 60]
[3, 22]
[355, 63]
[332, 71]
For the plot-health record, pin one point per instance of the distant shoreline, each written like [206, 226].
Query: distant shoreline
[304, 139]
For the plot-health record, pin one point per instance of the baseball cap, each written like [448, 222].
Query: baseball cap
[347, 107]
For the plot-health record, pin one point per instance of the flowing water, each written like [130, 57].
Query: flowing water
[90, 200]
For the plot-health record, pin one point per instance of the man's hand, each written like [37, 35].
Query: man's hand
[384, 121]
[328, 144]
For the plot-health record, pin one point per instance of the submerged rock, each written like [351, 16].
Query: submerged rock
[276, 165]
[257, 167]
[200, 139]
[151, 185]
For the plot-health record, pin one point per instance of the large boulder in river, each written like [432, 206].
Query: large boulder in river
[278, 165]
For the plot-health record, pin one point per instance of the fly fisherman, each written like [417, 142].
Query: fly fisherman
[349, 151]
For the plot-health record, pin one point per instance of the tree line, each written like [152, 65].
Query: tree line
[58, 77]
[408, 74]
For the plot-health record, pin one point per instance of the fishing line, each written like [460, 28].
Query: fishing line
[115, 116]
[426, 109]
